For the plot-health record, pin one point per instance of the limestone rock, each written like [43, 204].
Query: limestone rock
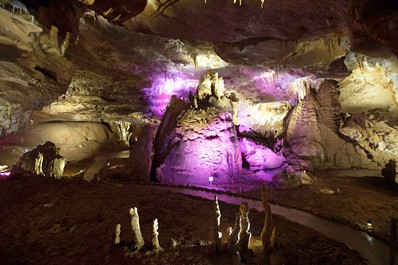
[30, 77]
[258, 156]
[140, 160]
[43, 160]
[203, 142]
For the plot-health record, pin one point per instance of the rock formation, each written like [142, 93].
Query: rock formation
[135, 227]
[155, 235]
[389, 172]
[118, 230]
[217, 223]
[323, 79]
[31, 75]
[266, 232]
[203, 142]
[245, 234]
[234, 236]
[43, 160]
[140, 160]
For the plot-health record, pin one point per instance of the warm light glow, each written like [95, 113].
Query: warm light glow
[369, 225]
[211, 179]
[210, 61]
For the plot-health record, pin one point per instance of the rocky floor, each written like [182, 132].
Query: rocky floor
[45, 221]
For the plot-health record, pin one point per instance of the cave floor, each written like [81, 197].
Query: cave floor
[348, 196]
[47, 221]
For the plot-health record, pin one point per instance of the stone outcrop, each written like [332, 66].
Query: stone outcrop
[203, 142]
[314, 134]
[43, 160]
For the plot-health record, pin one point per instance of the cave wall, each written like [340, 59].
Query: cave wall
[33, 71]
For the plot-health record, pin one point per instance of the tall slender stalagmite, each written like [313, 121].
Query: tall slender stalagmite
[155, 235]
[245, 235]
[266, 232]
[234, 237]
[135, 226]
[118, 230]
[217, 232]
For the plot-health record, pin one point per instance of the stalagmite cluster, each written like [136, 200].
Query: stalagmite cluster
[138, 239]
[237, 240]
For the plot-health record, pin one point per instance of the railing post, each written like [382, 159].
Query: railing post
[393, 240]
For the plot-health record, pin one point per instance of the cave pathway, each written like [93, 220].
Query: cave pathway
[373, 250]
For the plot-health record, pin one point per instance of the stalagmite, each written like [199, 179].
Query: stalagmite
[266, 232]
[58, 167]
[65, 44]
[117, 234]
[245, 235]
[232, 245]
[155, 235]
[39, 164]
[273, 238]
[135, 226]
[217, 233]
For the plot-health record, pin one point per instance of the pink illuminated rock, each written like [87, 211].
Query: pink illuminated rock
[203, 142]
[260, 157]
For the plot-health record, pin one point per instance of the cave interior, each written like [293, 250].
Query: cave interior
[113, 108]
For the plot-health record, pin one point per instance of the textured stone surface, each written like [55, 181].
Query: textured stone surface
[276, 62]
[32, 71]
[43, 160]
[140, 161]
[203, 142]
[76, 140]
[260, 157]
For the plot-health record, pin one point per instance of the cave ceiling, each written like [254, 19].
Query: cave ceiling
[127, 58]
